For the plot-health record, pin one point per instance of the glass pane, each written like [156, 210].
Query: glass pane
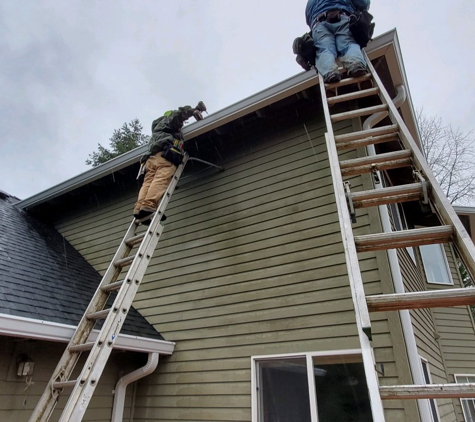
[342, 393]
[284, 391]
[435, 264]
[469, 409]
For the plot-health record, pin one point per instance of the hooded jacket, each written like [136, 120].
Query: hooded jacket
[317, 7]
[166, 129]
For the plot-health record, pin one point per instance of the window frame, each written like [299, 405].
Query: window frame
[462, 400]
[428, 380]
[351, 355]
[446, 265]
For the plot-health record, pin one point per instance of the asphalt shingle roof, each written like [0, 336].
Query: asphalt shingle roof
[43, 277]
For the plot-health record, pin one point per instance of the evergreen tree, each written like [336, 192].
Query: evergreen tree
[127, 138]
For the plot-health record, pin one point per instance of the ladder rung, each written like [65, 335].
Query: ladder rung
[124, 261]
[370, 140]
[135, 239]
[426, 299]
[384, 196]
[81, 347]
[429, 391]
[353, 136]
[99, 314]
[404, 238]
[349, 81]
[353, 95]
[112, 286]
[64, 384]
[358, 113]
[386, 161]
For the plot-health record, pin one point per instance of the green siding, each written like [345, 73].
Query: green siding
[250, 263]
[17, 405]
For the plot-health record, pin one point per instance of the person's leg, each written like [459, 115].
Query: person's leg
[349, 52]
[326, 52]
[162, 175]
[148, 178]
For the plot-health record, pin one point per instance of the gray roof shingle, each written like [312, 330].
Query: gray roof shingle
[43, 277]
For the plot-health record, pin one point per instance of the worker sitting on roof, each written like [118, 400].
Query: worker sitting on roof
[165, 154]
[329, 24]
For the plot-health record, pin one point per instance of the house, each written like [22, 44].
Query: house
[249, 280]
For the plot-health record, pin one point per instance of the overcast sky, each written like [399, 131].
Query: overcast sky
[72, 71]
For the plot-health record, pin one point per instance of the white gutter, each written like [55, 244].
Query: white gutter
[121, 386]
[14, 326]
[407, 328]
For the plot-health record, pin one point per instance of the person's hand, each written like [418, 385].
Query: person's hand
[197, 114]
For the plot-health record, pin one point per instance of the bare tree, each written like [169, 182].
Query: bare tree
[451, 155]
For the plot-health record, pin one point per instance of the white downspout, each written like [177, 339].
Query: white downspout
[408, 331]
[121, 386]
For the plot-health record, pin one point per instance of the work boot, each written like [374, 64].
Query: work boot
[332, 78]
[357, 71]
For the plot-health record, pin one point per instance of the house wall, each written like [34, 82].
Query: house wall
[250, 263]
[445, 337]
[17, 402]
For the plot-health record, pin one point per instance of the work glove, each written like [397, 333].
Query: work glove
[197, 114]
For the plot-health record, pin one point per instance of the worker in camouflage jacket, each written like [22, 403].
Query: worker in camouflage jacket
[329, 24]
[164, 155]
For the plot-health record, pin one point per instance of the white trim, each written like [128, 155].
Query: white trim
[14, 326]
[426, 362]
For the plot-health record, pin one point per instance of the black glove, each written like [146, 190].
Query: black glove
[197, 115]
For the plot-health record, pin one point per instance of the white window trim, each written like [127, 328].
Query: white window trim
[447, 267]
[461, 402]
[424, 360]
[311, 379]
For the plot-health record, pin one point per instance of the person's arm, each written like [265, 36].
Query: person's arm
[180, 116]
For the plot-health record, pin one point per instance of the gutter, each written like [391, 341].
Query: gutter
[121, 386]
[14, 326]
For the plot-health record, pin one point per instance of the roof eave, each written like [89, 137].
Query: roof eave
[273, 94]
[14, 326]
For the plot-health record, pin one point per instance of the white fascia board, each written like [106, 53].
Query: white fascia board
[273, 94]
[14, 326]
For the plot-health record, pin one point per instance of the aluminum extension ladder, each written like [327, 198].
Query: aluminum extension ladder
[99, 351]
[424, 188]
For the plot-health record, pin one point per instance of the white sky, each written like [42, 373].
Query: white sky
[73, 71]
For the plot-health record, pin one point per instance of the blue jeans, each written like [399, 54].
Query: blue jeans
[334, 40]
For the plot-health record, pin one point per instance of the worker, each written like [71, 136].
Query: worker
[329, 24]
[164, 155]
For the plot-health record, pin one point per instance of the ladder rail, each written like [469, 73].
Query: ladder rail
[354, 273]
[86, 383]
[445, 211]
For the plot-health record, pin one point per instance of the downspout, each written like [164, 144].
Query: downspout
[121, 386]
[408, 331]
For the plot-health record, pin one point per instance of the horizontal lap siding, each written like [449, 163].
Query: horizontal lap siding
[250, 263]
[17, 404]
[457, 334]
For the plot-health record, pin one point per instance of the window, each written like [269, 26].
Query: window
[310, 388]
[427, 378]
[468, 405]
[435, 263]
